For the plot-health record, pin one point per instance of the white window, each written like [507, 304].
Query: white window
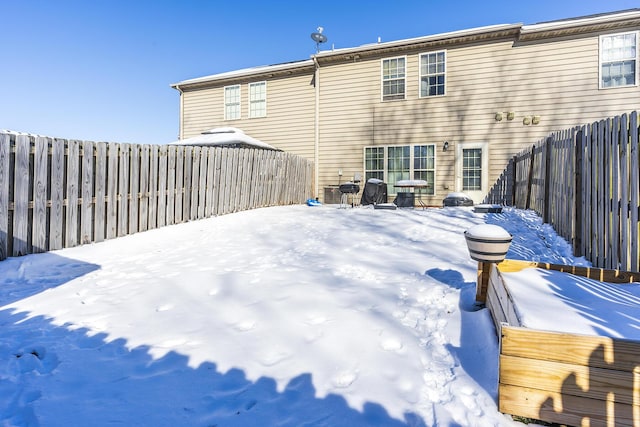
[394, 163]
[424, 164]
[374, 163]
[432, 73]
[258, 99]
[471, 169]
[232, 102]
[393, 78]
[618, 60]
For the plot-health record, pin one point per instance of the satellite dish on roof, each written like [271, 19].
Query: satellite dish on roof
[318, 37]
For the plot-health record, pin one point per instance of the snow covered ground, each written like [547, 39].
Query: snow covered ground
[287, 316]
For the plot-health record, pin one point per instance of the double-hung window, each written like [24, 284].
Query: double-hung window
[374, 163]
[424, 164]
[395, 163]
[398, 163]
[432, 73]
[393, 78]
[232, 102]
[619, 60]
[257, 99]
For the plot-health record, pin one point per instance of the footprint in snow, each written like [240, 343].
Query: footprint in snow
[245, 326]
[344, 379]
[391, 344]
[316, 320]
[273, 357]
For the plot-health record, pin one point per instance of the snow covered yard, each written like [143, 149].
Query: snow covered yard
[289, 316]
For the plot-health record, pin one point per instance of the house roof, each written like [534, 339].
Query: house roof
[521, 32]
[283, 68]
[583, 24]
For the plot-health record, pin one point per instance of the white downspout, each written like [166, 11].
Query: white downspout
[181, 114]
[316, 146]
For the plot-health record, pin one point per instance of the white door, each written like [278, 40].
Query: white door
[472, 169]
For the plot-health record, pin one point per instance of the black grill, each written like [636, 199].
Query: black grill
[349, 188]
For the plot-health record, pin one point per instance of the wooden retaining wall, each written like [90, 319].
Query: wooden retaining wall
[569, 379]
[57, 193]
[563, 378]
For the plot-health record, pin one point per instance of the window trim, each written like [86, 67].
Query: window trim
[404, 95]
[420, 96]
[227, 103]
[253, 84]
[385, 172]
[600, 61]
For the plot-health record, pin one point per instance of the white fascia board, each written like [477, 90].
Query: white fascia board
[422, 39]
[246, 72]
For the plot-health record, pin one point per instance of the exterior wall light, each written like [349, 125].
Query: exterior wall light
[445, 146]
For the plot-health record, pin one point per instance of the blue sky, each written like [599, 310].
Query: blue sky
[101, 70]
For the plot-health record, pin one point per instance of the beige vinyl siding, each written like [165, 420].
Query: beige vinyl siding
[348, 93]
[288, 125]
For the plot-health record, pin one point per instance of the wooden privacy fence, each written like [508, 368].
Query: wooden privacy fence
[57, 193]
[584, 182]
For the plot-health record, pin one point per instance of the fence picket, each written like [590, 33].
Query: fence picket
[73, 176]
[112, 191]
[171, 185]
[123, 189]
[100, 191]
[143, 200]
[5, 141]
[195, 182]
[209, 194]
[163, 176]
[56, 212]
[219, 181]
[186, 188]
[223, 201]
[624, 192]
[614, 230]
[40, 181]
[153, 187]
[21, 197]
[634, 167]
[202, 184]
[86, 205]
[588, 200]
[180, 186]
[134, 189]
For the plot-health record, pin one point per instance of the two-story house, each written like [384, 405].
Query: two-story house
[450, 109]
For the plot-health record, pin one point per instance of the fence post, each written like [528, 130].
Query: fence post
[577, 220]
[547, 179]
[514, 181]
[530, 178]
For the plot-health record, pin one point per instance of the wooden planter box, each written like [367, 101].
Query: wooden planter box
[558, 377]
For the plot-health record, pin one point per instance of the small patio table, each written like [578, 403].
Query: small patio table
[418, 185]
